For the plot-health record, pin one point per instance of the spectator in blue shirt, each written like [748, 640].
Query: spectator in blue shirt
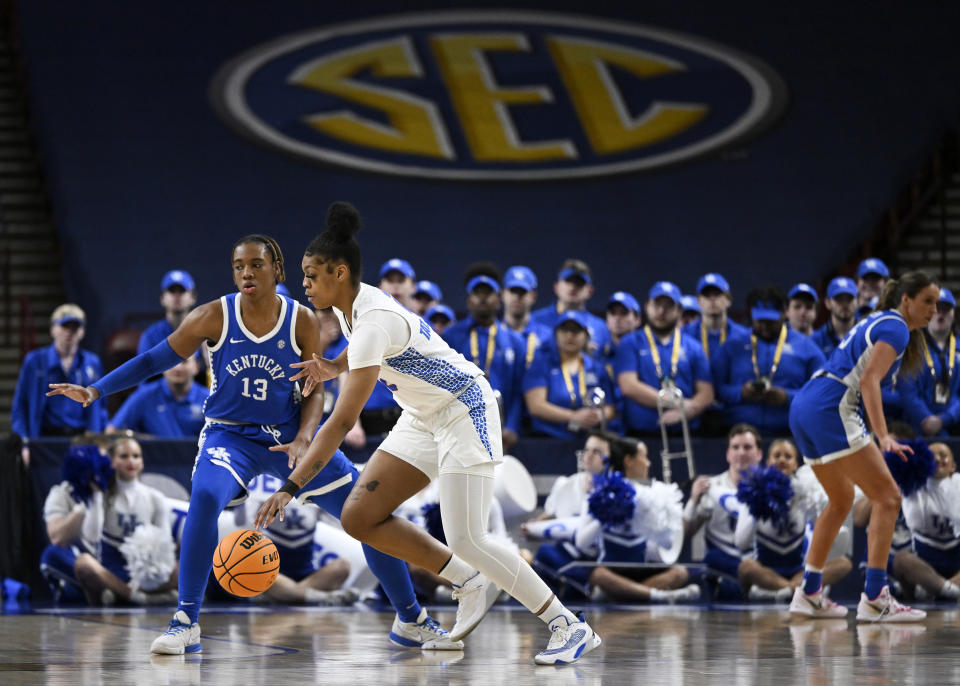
[519, 296]
[560, 386]
[872, 276]
[841, 303]
[931, 399]
[178, 295]
[440, 317]
[494, 348]
[33, 413]
[658, 357]
[171, 407]
[756, 375]
[623, 318]
[573, 288]
[333, 342]
[802, 308]
[425, 295]
[399, 280]
[714, 326]
[690, 311]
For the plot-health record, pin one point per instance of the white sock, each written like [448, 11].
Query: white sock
[658, 595]
[557, 615]
[950, 590]
[313, 595]
[140, 598]
[456, 571]
[785, 593]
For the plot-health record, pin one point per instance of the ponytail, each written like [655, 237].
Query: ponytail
[909, 284]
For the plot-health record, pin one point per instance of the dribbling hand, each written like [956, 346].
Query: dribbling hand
[295, 450]
[890, 445]
[271, 509]
[314, 372]
[80, 394]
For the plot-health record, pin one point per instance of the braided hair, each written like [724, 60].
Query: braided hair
[272, 246]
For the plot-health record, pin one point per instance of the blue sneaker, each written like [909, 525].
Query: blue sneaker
[569, 642]
[182, 637]
[426, 634]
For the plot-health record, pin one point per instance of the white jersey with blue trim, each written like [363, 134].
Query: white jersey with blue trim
[778, 542]
[113, 518]
[568, 494]
[849, 360]
[417, 365]
[928, 513]
[720, 504]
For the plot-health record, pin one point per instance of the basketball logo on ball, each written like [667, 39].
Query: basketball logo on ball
[246, 563]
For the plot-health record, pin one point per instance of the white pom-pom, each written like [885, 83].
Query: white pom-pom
[150, 556]
[660, 507]
[946, 493]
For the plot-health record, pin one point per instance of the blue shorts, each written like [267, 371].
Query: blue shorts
[556, 561]
[114, 561]
[719, 561]
[297, 563]
[826, 421]
[945, 562]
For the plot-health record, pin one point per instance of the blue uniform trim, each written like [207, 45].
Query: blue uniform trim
[434, 371]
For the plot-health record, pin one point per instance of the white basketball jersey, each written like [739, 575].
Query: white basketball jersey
[426, 374]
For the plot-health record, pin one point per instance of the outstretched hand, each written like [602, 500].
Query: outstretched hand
[271, 509]
[890, 445]
[295, 450]
[314, 372]
[80, 394]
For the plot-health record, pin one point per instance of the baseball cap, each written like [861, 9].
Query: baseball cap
[803, 289]
[689, 304]
[483, 279]
[841, 285]
[177, 277]
[520, 277]
[712, 280]
[947, 297]
[67, 313]
[764, 310]
[430, 288]
[625, 299]
[575, 316]
[441, 311]
[397, 265]
[667, 288]
[872, 265]
[573, 269]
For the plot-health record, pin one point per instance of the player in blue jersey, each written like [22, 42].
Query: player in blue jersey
[449, 431]
[253, 337]
[827, 423]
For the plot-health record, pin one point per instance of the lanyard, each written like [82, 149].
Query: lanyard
[951, 351]
[655, 353]
[582, 382]
[532, 344]
[705, 341]
[475, 347]
[777, 354]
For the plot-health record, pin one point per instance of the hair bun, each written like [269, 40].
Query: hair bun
[343, 220]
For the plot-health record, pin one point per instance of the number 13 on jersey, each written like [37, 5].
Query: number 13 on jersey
[259, 386]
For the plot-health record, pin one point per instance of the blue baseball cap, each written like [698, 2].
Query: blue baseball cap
[625, 299]
[689, 304]
[803, 289]
[520, 277]
[283, 290]
[667, 288]
[842, 285]
[573, 273]
[430, 288]
[765, 310]
[712, 280]
[68, 313]
[441, 310]
[575, 316]
[946, 296]
[483, 279]
[872, 265]
[177, 277]
[398, 265]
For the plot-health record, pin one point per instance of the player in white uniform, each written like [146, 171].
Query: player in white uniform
[449, 429]
[110, 520]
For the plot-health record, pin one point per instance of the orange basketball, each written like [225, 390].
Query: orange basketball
[246, 563]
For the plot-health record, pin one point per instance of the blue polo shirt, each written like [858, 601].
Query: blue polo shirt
[534, 336]
[545, 372]
[694, 330]
[159, 331]
[732, 366]
[331, 387]
[917, 393]
[507, 365]
[548, 316]
[826, 339]
[608, 356]
[633, 355]
[152, 409]
[32, 409]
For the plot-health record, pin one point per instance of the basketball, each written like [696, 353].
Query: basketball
[246, 563]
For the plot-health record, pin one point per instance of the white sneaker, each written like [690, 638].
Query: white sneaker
[685, 594]
[336, 598]
[885, 608]
[427, 634]
[474, 598]
[568, 643]
[182, 637]
[817, 606]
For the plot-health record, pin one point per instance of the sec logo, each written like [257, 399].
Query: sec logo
[487, 95]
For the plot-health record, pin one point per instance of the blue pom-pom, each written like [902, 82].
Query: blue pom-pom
[80, 469]
[103, 471]
[612, 500]
[766, 492]
[913, 473]
[434, 523]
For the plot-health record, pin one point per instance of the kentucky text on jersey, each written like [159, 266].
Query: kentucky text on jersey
[268, 364]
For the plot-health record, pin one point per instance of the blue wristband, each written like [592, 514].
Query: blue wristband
[157, 360]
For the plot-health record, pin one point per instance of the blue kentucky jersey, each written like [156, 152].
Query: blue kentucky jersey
[250, 374]
[849, 360]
